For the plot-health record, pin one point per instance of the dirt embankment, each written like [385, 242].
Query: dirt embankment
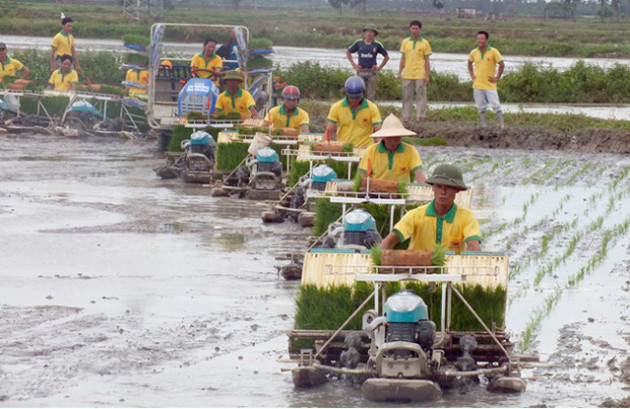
[587, 141]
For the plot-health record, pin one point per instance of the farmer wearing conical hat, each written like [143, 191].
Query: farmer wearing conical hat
[391, 159]
[441, 221]
[235, 98]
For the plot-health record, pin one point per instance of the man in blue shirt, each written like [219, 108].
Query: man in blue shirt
[368, 48]
[228, 51]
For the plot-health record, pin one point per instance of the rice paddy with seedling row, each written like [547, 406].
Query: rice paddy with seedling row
[550, 216]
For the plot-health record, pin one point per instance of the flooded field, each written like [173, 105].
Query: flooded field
[120, 289]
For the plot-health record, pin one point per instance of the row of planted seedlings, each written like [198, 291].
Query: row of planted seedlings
[573, 263]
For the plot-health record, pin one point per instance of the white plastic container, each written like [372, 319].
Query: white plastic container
[260, 141]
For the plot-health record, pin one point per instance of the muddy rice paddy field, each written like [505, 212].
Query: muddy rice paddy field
[120, 289]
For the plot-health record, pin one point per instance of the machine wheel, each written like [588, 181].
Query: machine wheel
[76, 123]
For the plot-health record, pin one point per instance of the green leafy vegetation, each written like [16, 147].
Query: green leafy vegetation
[376, 254]
[260, 44]
[136, 39]
[438, 258]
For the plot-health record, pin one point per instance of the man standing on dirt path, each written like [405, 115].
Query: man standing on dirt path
[392, 159]
[367, 49]
[441, 221]
[355, 118]
[9, 67]
[485, 77]
[63, 44]
[414, 70]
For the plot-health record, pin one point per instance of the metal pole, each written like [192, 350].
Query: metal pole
[344, 324]
[461, 297]
[443, 312]
[449, 300]
[391, 218]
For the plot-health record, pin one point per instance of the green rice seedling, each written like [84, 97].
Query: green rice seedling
[111, 90]
[260, 43]
[439, 256]
[54, 106]
[620, 177]
[537, 317]
[325, 213]
[376, 254]
[402, 188]
[358, 180]
[230, 155]
[580, 172]
[258, 63]
[180, 133]
[534, 177]
[323, 308]
[348, 147]
[137, 59]
[299, 169]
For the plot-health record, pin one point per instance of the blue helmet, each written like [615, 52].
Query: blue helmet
[354, 87]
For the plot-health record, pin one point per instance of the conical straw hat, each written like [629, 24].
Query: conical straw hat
[392, 127]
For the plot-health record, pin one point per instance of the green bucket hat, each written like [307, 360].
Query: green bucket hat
[233, 75]
[371, 27]
[447, 175]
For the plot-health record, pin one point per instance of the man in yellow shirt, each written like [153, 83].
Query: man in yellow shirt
[288, 115]
[65, 78]
[355, 118]
[391, 159]
[235, 98]
[140, 77]
[207, 64]
[414, 70]
[63, 44]
[441, 221]
[485, 77]
[10, 66]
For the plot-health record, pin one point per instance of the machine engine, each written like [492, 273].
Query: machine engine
[402, 339]
[358, 231]
[321, 175]
[408, 320]
[200, 152]
[265, 170]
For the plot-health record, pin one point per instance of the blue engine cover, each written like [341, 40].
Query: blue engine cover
[405, 306]
[267, 155]
[359, 220]
[201, 138]
[323, 174]
[198, 95]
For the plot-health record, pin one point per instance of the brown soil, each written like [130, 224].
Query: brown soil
[611, 403]
[588, 141]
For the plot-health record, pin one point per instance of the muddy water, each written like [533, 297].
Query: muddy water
[119, 289]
